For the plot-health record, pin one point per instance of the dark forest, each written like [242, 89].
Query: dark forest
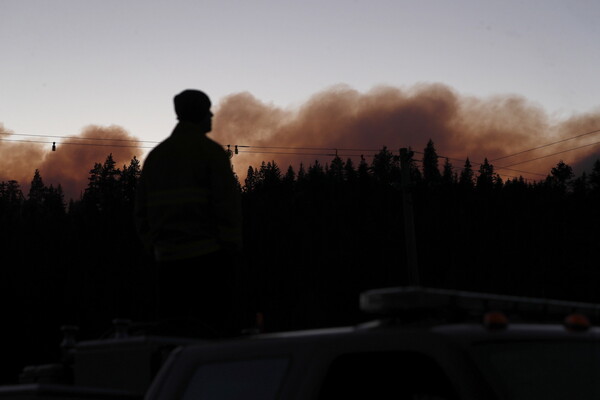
[315, 237]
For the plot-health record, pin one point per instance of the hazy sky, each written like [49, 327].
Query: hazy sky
[67, 64]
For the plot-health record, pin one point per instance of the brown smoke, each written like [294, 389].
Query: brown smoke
[70, 164]
[460, 127]
[338, 118]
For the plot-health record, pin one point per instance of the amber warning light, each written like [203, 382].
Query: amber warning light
[577, 323]
[397, 301]
[495, 320]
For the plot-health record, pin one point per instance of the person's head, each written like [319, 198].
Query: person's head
[193, 106]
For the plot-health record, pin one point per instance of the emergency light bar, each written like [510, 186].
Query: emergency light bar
[415, 299]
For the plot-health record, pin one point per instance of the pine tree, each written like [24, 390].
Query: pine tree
[466, 175]
[561, 175]
[11, 198]
[448, 177]
[109, 176]
[431, 172]
[301, 173]
[13, 192]
[383, 165]
[580, 185]
[250, 181]
[485, 179]
[316, 173]
[336, 170]
[44, 200]
[290, 176]
[103, 192]
[54, 200]
[94, 183]
[37, 190]
[363, 171]
[349, 171]
[270, 174]
[130, 176]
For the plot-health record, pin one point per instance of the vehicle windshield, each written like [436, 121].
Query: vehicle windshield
[544, 370]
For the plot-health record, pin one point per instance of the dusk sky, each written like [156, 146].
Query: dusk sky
[70, 64]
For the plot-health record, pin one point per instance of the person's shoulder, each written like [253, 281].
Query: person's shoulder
[158, 151]
[213, 144]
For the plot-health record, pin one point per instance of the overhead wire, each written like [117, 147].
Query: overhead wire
[287, 153]
[307, 148]
[255, 149]
[479, 164]
[75, 144]
[554, 154]
[240, 151]
[78, 138]
[475, 163]
[289, 147]
[156, 142]
[546, 145]
[310, 154]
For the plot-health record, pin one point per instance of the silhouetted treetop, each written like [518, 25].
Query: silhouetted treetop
[486, 178]
[466, 175]
[448, 176]
[385, 166]
[431, 172]
[561, 175]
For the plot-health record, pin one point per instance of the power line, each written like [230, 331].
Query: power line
[240, 151]
[503, 174]
[497, 168]
[553, 154]
[155, 142]
[336, 149]
[75, 144]
[545, 145]
[251, 147]
[150, 147]
[286, 153]
[308, 148]
[305, 154]
[76, 138]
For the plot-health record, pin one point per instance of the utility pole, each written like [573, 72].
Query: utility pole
[409, 222]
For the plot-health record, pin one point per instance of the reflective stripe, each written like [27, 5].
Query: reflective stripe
[178, 196]
[179, 251]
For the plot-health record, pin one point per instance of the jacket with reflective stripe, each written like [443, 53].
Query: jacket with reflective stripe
[187, 203]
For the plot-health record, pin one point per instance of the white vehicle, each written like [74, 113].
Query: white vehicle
[427, 344]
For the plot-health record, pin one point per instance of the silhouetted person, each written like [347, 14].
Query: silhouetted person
[188, 213]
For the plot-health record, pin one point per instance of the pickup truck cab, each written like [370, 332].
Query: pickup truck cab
[431, 344]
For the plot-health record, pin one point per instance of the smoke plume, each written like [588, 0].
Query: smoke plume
[70, 164]
[460, 127]
[342, 119]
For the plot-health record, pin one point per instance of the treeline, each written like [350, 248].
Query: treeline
[320, 235]
[315, 237]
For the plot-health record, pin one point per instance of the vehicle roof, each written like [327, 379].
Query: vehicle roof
[460, 333]
[453, 329]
